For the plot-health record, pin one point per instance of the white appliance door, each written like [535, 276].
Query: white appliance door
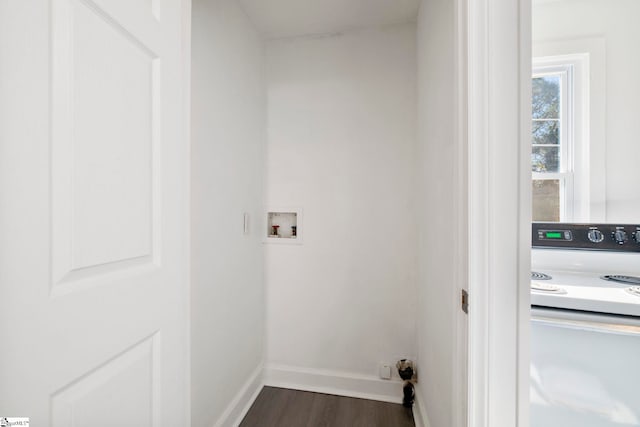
[584, 370]
[93, 215]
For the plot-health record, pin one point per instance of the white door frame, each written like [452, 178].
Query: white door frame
[499, 79]
[186, 122]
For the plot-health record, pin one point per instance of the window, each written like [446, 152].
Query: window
[555, 150]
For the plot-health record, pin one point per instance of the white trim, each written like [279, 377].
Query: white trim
[523, 244]
[591, 77]
[575, 135]
[478, 216]
[460, 389]
[333, 382]
[499, 211]
[241, 403]
[420, 417]
[186, 132]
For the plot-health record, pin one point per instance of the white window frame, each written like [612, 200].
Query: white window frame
[573, 172]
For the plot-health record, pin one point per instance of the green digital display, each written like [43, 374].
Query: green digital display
[553, 235]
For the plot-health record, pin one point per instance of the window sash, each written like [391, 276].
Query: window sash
[565, 113]
[565, 175]
[566, 190]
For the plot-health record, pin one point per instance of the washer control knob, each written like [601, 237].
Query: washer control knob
[636, 237]
[595, 236]
[620, 236]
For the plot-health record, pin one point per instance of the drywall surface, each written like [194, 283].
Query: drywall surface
[435, 194]
[341, 143]
[615, 21]
[228, 128]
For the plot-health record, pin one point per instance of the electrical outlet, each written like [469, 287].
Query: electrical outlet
[384, 370]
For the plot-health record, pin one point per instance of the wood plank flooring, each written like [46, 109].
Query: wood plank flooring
[281, 407]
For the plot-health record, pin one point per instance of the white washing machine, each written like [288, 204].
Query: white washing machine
[585, 327]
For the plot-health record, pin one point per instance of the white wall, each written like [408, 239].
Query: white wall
[228, 128]
[341, 143]
[436, 196]
[615, 21]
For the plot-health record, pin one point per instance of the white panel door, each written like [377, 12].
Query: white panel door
[93, 213]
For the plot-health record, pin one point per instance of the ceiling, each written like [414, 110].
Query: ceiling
[288, 18]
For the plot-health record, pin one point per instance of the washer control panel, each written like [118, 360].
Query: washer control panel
[598, 237]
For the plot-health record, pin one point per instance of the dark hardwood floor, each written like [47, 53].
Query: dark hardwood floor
[282, 407]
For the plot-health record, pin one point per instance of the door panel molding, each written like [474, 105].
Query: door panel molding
[132, 378]
[105, 189]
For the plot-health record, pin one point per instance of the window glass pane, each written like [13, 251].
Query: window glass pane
[546, 97]
[546, 200]
[546, 132]
[545, 159]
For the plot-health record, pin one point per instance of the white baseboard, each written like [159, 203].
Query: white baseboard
[239, 406]
[333, 382]
[420, 411]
